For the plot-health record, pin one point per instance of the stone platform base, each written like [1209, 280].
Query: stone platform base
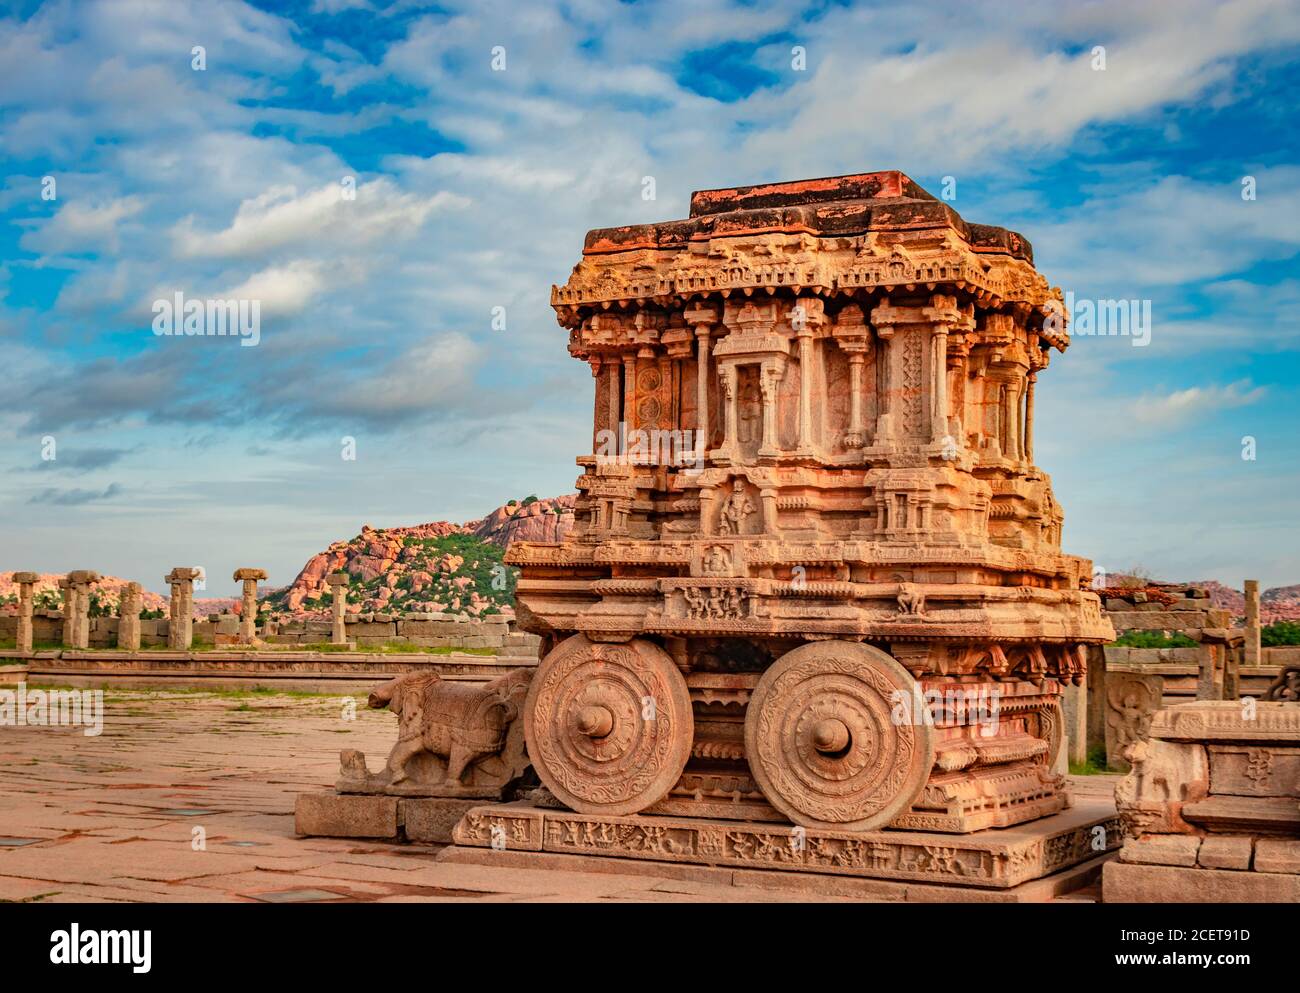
[1126, 882]
[965, 866]
[347, 815]
[1035, 891]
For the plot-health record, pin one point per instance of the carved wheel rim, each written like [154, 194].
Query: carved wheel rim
[608, 726]
[822, 742]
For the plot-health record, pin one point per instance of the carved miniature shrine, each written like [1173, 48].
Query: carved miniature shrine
[837, 599]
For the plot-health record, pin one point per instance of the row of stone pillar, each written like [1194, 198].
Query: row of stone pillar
[76, 589]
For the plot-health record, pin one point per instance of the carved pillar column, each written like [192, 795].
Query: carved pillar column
[1028, 450]
[728, 379]
[612, 367]
[338, 582]
[1252, 653]
[939, 388]
[69, 612]
[805, 389]
[81, 637]
[596, 413]
[128, 618]
[180, 608]
[768, 381]
[854, 437]
[629, 390]
[26, 583]
[1011, 405]
[248, 609]
[702, 333]
[884, 436]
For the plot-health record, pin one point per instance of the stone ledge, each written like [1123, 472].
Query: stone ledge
[1125, 882]
[332, 815]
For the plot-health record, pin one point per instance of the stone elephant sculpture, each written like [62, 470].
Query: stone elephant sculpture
[461, 723]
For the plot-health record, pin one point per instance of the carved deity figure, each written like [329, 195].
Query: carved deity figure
[735, 509]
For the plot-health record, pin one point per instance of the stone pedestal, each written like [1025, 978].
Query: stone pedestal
[248, 607]
[26, 583]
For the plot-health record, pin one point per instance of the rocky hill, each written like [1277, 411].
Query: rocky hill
[1281, 603]
[428, 567]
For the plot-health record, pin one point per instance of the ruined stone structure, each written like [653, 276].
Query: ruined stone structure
[76, 607]
[1213, 804]
[128, 621]
[26, 582]
[811, 521]
[248, 608]
[180, 607]
[338, 583]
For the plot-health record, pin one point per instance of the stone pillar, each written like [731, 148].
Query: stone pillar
[1252, 652]
[1209, 685]
[26, 582]
[76, 607]
[729, 387]
[338, 582]
[1074, 706]
[1029, 417]
[854, 438]
[128, 618]
[180, 608]
[939, 390]
[702, 332]
[69, 592]
[769, 380]
[629, 390]
[1013, 421]
[248, 608]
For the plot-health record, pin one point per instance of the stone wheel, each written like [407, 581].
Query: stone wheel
[608, 726]
[821, 739]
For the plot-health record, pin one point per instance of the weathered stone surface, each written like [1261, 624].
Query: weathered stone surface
[432, 820]
[983, 860]
[1162, 849]
[334, 815]
[1225, 851]
[1277, 855]
[1126, 882]
[1164, 778]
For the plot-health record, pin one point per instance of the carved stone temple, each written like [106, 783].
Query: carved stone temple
[810, 522]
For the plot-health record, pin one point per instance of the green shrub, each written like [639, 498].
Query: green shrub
[1280, 633]
[1153, 639]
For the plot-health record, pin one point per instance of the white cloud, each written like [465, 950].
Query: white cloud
[1185, 407]
[82, 227]
[282, 217]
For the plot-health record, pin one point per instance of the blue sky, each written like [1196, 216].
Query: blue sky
[474, 187]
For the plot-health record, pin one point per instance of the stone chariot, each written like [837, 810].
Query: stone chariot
[816, 579]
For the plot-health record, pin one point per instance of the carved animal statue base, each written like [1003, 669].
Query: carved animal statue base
[455, 740]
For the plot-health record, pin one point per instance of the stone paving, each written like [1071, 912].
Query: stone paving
[120, 816]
